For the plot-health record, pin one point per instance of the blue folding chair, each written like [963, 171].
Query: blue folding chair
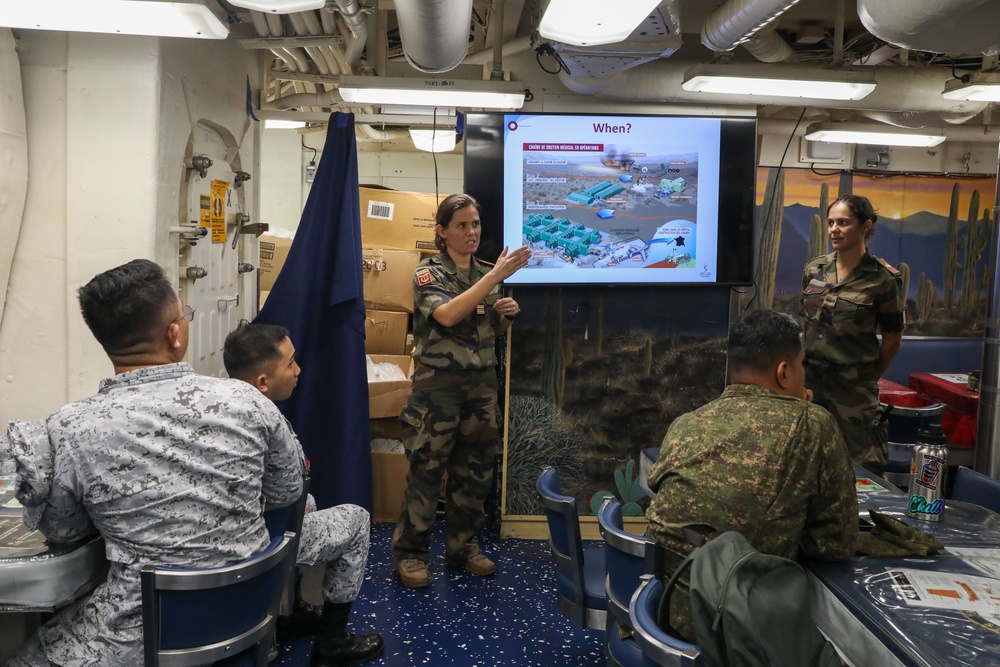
[579, 572]
[222, 615]
[658, 647]
[974, 487]
[627, 557]
[288, 519]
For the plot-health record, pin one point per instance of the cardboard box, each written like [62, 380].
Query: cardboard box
[385, 332]
[396, 219]
[387, 399]
[263, 297]
[388, 278]
[273, 252]
[389, 472]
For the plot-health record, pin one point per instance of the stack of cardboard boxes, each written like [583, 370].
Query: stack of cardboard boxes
[397, 228]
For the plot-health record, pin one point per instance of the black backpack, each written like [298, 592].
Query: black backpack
[750, 609]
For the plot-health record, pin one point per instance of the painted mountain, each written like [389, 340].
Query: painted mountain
[917, 239]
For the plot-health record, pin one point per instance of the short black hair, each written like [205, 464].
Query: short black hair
[251, 348]
[760, 340]
[128, 305]
[446, 211]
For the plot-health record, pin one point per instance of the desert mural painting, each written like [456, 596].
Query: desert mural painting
[938, 231]
[596, 374]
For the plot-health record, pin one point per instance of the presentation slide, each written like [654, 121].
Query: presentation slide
[612, 199]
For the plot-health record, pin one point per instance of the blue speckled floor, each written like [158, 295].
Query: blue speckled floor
[509, 619]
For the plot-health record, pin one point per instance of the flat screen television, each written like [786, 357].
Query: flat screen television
[607, 199]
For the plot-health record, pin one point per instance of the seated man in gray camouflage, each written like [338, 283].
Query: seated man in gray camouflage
[167, 465]
[263, 355]
[760, 460]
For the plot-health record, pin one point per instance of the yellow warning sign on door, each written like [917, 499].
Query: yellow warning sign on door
[218, 211]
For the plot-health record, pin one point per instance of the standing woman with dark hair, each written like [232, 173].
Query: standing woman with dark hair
[847, 297]
[450, 421]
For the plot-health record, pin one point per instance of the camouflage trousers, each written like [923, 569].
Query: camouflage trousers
[850, 394]
[449, 424]
[338, 537]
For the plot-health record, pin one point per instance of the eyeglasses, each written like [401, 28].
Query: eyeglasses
[188, 314]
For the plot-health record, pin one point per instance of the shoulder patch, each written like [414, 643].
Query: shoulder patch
[423, 276]
[888, 267]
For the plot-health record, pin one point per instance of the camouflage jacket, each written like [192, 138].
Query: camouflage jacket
[170, 467]
[467, 345]
[771, 467]
[842, 318]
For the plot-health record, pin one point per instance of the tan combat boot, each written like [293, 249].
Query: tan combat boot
[413, 573]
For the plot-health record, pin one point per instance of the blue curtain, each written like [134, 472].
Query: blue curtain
[318, 296]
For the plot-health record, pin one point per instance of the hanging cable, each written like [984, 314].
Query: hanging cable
[770, 203]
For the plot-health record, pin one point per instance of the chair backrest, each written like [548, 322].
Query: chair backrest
[566, 545]
[903, 423]
[974, 487]
[659, 647]
[288, 519]
[200, 616]
[627, 557]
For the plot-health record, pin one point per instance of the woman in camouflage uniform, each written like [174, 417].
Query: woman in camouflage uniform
[450, 420]
[848, 296]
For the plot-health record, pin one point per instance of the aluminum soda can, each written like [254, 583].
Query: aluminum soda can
[928, 468]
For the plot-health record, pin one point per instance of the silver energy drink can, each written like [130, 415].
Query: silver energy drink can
[928, 468]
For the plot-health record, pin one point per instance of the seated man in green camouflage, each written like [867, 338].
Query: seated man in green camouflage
[760, 460]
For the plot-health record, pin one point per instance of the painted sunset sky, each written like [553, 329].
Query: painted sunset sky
[893, 197]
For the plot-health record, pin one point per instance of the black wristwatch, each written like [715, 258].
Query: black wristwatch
[514, 316]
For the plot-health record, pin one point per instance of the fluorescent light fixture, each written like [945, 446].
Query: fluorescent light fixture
[779, 81]
[981, 87]
[279, 6]
[593, 22]
[160, 18]
[278, 124]
[862, 133]
[365, 90]
[439, 140]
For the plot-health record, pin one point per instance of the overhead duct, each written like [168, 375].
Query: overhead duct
[914, 88]
[735, 21]
[355, 21]
[434, 33]
[940, 26]
[767, 46]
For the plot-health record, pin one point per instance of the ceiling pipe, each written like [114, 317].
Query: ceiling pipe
[914, 88]
[940, 26]
[514, 46]
[434, 33]
[277, 29]
[767, 46]
[355, 20]
[735, 21]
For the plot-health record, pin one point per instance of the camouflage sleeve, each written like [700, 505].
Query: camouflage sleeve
[831, 531]
[63, 517]
[667, 460]
[284, 462]
[892, 306]
[428, 291]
